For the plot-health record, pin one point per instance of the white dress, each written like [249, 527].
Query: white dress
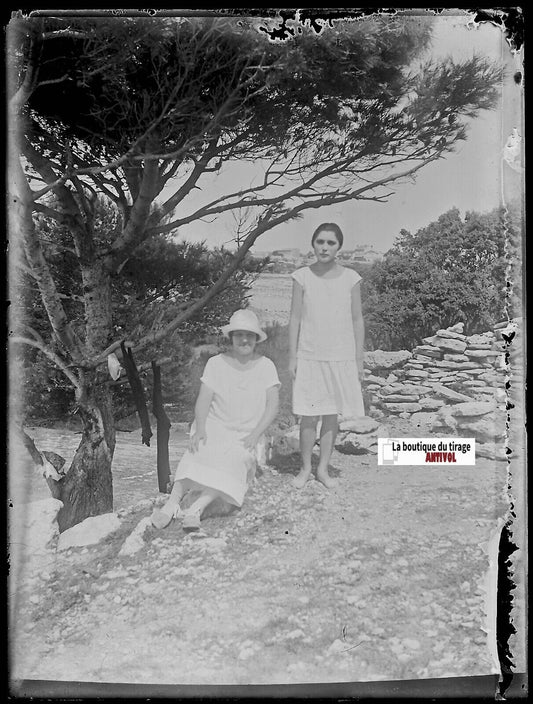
[239, 400]
[327, 379]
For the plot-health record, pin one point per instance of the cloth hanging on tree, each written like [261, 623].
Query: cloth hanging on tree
[163, 432]
[138, 394]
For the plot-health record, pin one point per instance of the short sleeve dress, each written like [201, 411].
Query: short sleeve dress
[239, 400]
[327, 380]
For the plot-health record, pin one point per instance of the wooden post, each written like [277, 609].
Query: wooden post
[163, 428]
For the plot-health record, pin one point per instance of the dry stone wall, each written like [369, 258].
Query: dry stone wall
[454, 384]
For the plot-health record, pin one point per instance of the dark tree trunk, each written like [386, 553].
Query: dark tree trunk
[87, 488]
[163, 433]
[138, 393]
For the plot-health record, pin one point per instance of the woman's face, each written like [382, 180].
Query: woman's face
[326, 246]
[243, 342]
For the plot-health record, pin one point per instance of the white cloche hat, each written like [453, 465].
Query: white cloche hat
[244, 320]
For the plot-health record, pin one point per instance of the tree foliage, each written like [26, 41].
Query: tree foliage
[453, 270]
[124, 79]
[158, 280]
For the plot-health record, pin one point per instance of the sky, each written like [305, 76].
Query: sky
[473, 177]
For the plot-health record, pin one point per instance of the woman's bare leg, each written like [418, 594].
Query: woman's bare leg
[307, 442]
[328, 433]
[176, 495]
[202, 502]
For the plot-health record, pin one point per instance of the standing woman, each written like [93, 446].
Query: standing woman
[326, 338]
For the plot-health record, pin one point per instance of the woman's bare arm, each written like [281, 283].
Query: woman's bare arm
[201, 409]
[294, 324]
[270, 412]
[358, 329]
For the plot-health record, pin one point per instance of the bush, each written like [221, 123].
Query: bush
[453, 270]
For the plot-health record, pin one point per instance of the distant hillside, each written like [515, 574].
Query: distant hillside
[285, 261]
[271, 298]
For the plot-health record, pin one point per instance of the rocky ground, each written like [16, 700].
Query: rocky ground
[385, 577]
[389, 576]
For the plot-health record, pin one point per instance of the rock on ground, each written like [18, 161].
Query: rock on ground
[90, 531]
[38, 521]
[136, 539]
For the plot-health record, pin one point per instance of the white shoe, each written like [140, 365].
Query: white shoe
[160, 519]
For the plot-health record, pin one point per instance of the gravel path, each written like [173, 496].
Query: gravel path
[382, 578]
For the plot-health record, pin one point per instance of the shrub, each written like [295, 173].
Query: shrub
[453, 270]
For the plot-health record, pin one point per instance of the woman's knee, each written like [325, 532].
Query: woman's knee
[309, 421]
[329, 421]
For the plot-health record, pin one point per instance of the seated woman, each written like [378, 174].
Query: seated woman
[238, 400]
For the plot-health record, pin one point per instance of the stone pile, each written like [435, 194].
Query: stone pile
[452, 384]
[356, 436]
[359, 436]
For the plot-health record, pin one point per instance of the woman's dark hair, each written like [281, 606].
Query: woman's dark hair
[332, 227]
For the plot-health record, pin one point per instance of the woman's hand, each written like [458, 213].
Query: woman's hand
[292, 367]
[195, 440]
[250, 442]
